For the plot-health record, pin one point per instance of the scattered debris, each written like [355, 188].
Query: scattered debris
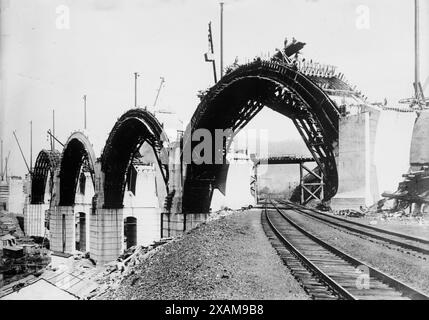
[18, 262]
[20, 256]
[350, 213]
[117, 270]
[9, 224]
[322, 206]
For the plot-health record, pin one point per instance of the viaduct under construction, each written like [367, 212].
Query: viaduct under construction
[77, 184]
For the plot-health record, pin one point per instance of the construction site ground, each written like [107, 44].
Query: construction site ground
[408, 225]
[73, 275]
[226, 258]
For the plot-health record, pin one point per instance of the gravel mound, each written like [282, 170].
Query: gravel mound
[227, 258]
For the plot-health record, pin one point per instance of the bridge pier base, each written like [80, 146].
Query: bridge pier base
[62, 229]
[107, 228]
[175, 224]
[357, 179]
[34, 219]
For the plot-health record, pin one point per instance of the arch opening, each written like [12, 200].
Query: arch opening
[249, 178]
[42, 176]
[237, 98]
[122, 154]
[77, 160]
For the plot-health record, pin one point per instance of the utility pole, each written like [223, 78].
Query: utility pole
[417, 46]
[53, 129]
[1, 169]
[136, 75]
[84, 111]
[209, 57]
[221, 39]
[418, 100]
[22, 153]
[159, 90]
[31, 146]
[5, 166]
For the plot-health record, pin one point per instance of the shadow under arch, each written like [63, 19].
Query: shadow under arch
[132, 129]
[77, 152]
[237, 98]
[46, 163]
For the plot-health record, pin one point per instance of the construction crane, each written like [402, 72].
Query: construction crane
[22, 153]
[55, 138]
[159, 90]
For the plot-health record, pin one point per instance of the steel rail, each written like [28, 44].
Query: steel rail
[325, 218]
[307, 263]
[396, 284]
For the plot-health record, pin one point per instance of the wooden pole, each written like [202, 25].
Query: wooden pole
[301, 183]
[417, 48]
[84, 111]
[53, 129]
[1, 166]
[212, 52]
[221, 39]
[136, 75]
[31, 146]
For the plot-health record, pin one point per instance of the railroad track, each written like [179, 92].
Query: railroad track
[417, 247]
[326, 272]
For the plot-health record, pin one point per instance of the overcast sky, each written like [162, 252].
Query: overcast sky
[43, 67]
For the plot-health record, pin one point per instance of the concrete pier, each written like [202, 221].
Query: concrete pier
[62, 229]
[107, 228]
[419, 153]
[357, 185]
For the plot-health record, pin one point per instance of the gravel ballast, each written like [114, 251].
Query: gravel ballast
[228, 258]
[405, 267]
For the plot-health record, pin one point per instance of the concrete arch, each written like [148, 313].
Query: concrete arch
[132, 129]
[77, 152]
[46, 163]
[238, 97]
